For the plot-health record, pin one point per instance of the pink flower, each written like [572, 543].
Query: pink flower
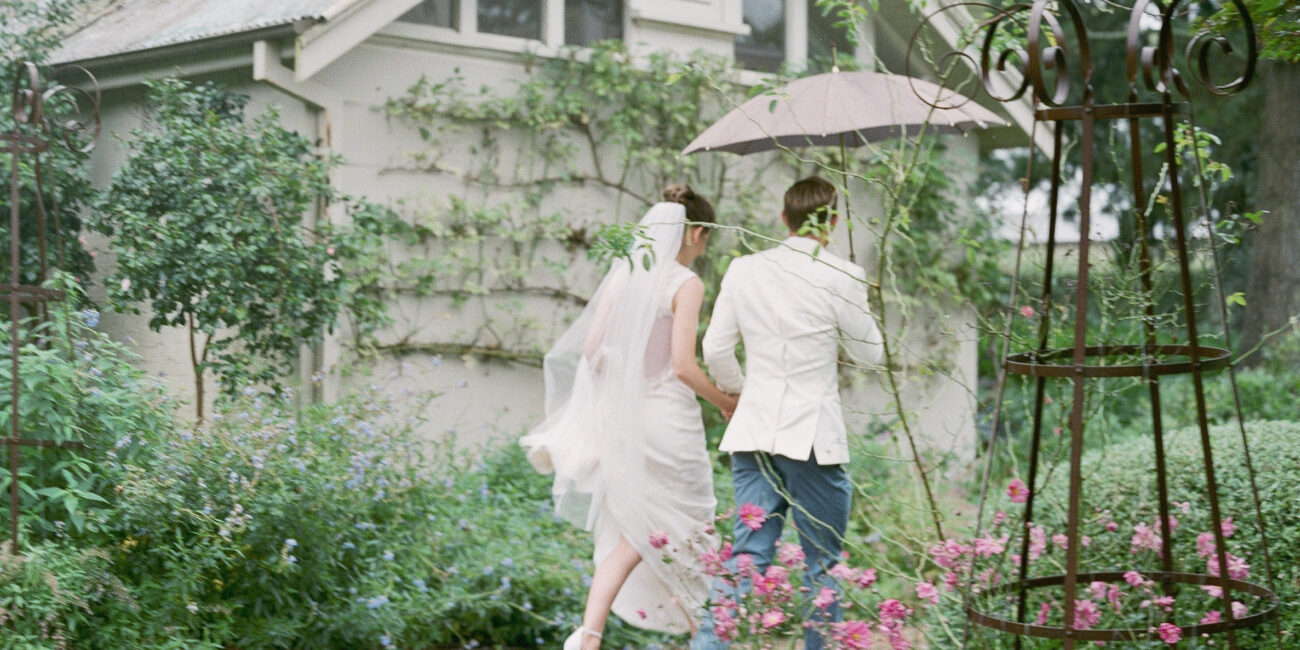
[950, 580]
[641, 613]
[744, 563]
[1205, 544]
[947, 553]
[1145, 538]
[824, 598]
[1239, 610]
[1173, 523]
[842, 571]
[1017, 491]
[711, 563]
[725, 552]
[790, 554]
[1061, 540]
[1037, 542]
[1111, 526]
[1057, 431]
[658, 539]
[1134, 579]
[1184, 506]
[866, 578]
[854, 635]
[1086, 614]
[986, 546]
[1027, 311]
[1170, 633]
[1112, 596]
[1212, 616]
[1042, 614]
[775, 579]
[892, 611]
[1166, 602]
[330, 251]
[773, 618]
[1212, 591]
[1237, 567]
[1097, 589]
[927, 592]
[999, 517]
[724, 624]
[752, 516]
[1228, 527]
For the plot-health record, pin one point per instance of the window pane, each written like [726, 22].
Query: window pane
[764, 47]
[521, 18]
[588, 21]
[822, 32]
[441, 13]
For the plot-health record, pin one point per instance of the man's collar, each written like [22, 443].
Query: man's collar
[803, 244]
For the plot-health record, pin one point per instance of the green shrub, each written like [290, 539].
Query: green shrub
[332, 528]
[77, 385]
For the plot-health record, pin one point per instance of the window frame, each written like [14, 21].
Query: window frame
[796, 41]
[466, 32]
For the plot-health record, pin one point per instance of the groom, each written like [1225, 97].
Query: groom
[792, 306]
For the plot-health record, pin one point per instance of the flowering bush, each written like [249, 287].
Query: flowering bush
[762, 606]
[1121, 532]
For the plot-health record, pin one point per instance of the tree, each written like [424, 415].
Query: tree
[207, 220]
[1273, 287]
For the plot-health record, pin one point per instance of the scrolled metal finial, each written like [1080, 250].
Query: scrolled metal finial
[61, 111]
[1055, 57]
[989, 27]
[79, 120]
[1153, 62]
[27, 102]
[1199, 50]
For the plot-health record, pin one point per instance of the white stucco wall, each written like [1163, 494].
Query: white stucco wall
[482, 398]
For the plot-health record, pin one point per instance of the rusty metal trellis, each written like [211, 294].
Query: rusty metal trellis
[40, 116]
[1032, 40]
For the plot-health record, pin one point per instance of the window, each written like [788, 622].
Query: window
[439, 13]
[792, 32]
[588, 21]
[822, 33]
[764, 47]
[518, 18]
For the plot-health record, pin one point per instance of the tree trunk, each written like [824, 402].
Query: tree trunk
[1273, 289]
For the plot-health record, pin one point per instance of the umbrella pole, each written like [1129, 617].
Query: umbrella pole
[848, 214]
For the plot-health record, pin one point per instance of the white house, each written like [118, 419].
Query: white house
[331, 64]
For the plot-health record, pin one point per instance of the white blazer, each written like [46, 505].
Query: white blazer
[793, 306]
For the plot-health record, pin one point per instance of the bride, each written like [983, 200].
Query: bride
[624, 434]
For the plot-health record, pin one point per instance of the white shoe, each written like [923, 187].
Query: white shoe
[574, 642]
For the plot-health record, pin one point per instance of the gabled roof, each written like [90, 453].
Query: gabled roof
[110, 27]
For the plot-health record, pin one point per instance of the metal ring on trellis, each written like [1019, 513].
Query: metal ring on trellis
[1156, 360]
[1125, 634]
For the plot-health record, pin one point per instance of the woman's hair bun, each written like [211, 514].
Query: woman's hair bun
[679, 193]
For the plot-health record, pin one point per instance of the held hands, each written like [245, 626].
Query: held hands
[728, 405]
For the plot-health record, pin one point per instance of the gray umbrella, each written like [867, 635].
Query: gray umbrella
[844, 109]
[841, 108]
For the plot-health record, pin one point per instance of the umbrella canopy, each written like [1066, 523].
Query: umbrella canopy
[842, 109]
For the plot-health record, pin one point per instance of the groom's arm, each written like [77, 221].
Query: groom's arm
[859, 333]
[720, 341]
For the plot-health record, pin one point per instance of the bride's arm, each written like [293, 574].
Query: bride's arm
[686, 318]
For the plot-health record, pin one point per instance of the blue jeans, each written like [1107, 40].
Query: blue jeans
[818, 498]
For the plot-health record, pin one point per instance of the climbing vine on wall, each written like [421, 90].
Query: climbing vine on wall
[583, 141]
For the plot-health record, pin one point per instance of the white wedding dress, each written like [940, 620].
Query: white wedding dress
[625, 438]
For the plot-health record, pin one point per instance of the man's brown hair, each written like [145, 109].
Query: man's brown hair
[809, 201]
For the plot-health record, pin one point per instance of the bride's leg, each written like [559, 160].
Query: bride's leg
[609, 578]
